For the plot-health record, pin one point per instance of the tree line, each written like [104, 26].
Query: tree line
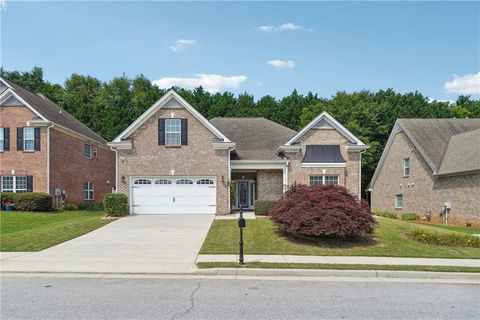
[108, 107]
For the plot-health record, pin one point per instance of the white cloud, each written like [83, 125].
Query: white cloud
[3, 5]
[183, 44]
[288, 26]
[467, 84]
[282, 64]
[210, 82]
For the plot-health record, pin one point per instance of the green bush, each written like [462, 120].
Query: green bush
[70, 207]
[263, 206]
[447, 239]
[116, 204]
[30, 201]
[91, 206]
[386, 214]
[410, 216]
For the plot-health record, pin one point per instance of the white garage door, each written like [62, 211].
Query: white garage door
[167, 195]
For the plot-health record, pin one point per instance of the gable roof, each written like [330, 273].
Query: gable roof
[440, 142]
[462, 154]
[166, 101]
[322, 118]
[255, 138]
[47, 110]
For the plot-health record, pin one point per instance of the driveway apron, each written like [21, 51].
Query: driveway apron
[133, 244]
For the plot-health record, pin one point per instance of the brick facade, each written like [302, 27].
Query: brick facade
[422, 191]
[68, 168]
[269, 184]
[198, 158]
[24, 163]
[349, 177]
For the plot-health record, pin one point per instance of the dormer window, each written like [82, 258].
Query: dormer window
[406, 167]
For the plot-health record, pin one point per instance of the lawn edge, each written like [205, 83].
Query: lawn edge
[343, 267]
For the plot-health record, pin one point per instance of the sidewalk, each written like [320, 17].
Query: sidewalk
[341, 260]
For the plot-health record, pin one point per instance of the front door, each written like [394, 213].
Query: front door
[243, 194]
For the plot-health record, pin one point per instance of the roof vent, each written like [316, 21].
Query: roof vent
[41, 96]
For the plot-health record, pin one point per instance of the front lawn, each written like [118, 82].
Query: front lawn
[262, 237]
[29, 231]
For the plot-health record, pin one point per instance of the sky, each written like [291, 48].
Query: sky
[259, 48]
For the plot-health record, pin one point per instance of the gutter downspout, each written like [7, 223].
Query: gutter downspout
[285, 172]
[360, 175]
[116, 168]
[48, 157]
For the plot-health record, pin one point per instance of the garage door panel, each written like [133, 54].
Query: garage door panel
[186, 197]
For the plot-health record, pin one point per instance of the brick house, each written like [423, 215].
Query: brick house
[427, 164]
[45, 149]
[173, 160]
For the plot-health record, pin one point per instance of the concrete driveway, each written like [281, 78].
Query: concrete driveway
[134, 244]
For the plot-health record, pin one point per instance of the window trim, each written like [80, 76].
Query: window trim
[84, 155]
[179, 132]
[86, 191]
[14, 188]
[405, 160]
[323, 180]
[396, 201]
[25, 139]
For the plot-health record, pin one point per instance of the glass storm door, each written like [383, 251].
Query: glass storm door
[243, 194]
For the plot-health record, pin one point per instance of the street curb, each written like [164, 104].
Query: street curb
[262, 272]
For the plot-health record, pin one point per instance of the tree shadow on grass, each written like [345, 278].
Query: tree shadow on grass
[332, 242]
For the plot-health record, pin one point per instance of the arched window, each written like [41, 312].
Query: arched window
[184, 181]
[163, 181]
[142, 181]
[205, 181]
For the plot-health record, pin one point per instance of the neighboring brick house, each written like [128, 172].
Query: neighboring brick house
[427, 164]
[173, 160]
[45, 149]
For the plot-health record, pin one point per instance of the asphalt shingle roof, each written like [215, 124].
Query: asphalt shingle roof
[452, 145]
[54, 113]
[255, 138]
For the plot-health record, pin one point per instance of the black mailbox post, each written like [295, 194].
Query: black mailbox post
[241, 224]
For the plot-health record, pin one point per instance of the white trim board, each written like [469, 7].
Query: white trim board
[334, 123]
[161, 103]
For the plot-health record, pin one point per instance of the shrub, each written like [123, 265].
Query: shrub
[30, 201]
[116, 204]
[263, 206]
[322, 211]
[386, 214]
[70, 207]
[91, 206]
[410, 216]
[448, 239]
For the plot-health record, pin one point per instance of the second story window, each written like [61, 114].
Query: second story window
[87, 151]
[406, 167]
[173, 132]
[28, 139]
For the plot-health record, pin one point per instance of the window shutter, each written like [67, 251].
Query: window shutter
[29, 183]
[161, 131]
[184, 132]
[20, 139]
[6, 139]
[37, 139]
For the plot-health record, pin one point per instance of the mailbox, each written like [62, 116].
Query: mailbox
[242, 222]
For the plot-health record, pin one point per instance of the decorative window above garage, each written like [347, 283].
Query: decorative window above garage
[163, 181]
[142, 181]
[205, 181]
[184, 181]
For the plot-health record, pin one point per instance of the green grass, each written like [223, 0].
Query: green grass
[262, 237]
[27, 231]
[467, 230]
[208, 265]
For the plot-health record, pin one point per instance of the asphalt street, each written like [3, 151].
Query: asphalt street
[157, 298]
